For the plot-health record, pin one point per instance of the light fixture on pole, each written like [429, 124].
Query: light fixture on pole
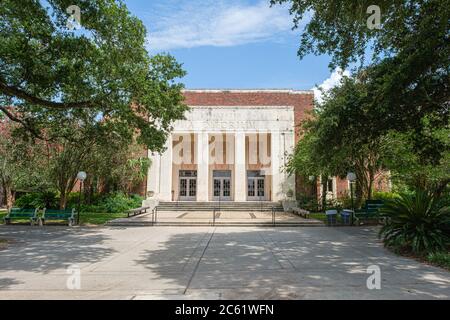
[351, 177]
[81, 176]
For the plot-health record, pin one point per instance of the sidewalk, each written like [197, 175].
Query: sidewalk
[222, 218]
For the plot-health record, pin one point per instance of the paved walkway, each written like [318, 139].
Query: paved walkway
[209, 262]
[237, 218]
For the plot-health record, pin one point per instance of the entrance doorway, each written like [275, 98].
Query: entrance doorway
[187, 188]
[222, 185]
[256, 183]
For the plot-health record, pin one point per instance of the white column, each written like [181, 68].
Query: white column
[202, 166]
[153, 173]
[239, 167]
[290, 146]
[275, 153]
[165, 179]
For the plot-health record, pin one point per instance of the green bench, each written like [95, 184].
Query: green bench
[54, 214]
[370, 211]
[22, 213]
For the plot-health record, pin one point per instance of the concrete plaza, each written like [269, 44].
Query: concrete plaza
[164, 262]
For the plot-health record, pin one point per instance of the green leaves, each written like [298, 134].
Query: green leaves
[55, 77]
[416, 222]
[406, 80]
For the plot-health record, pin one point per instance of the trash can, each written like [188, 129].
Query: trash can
[331, 217]
[345, 216]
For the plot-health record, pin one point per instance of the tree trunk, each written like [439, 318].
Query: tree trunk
[10, 196]
[88, 187]
[370, 185]
[62, 199]
[324, 192]
[2, 195]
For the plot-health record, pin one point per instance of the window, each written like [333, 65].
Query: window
[330, 185]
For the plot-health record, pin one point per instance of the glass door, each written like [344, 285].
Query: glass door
[222, 185]
[256, 186]
[187, 190]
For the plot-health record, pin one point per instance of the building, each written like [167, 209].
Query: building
[233, 146]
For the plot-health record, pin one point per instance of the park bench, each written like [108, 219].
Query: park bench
[135, 212]
[370, 211]
[55, 214]
[22, 213]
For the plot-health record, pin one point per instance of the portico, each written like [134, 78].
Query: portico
[226, 153]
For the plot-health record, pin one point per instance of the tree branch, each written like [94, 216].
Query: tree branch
[25, 124]
[19, 93]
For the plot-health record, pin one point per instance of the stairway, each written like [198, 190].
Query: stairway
[223, 206]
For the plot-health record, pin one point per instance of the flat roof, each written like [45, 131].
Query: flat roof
[292, 91]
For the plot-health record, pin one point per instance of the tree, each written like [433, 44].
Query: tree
[22, 165]
[334, 141]
[409, 170]
[52, 74]
[408, 76]
[97, 149]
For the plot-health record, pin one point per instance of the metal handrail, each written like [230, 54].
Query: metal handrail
[273, 216]
[214, 216]
[155, 215]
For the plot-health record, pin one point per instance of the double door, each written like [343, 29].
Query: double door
[221, 185]
[256, 184]
[187, 185]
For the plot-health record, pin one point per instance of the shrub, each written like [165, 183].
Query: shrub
[385, 196]
[416, 222]
[115, 203]
[344, 202]
[441, 259]
[309, 203]
[110, 203]
[37, 200]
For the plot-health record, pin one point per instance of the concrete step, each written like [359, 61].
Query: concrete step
[217, 224]
[224, 206]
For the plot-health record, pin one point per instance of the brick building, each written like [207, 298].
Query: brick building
[233, 146]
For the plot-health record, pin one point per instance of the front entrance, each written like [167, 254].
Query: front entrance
[222, 185]
[256, 182]
[187, 190]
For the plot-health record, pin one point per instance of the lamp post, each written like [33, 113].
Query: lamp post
[351, 177]
[81, 176]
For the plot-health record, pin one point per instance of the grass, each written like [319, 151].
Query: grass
[319, 216]
[440, 259]
[93, 218]
[87, 218]
[323, 217]
[2, 215]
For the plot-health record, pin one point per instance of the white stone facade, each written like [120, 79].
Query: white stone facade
[225, 153]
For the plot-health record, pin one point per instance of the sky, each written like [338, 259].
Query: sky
[232, 44]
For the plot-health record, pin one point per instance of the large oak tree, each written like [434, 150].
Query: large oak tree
[51, 74]
[407, 75]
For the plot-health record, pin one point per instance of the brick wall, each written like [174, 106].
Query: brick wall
[302, 101]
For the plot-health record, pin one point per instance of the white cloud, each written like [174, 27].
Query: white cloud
[329, 83]
[217, 23]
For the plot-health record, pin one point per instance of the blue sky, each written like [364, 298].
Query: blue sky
[238, 44]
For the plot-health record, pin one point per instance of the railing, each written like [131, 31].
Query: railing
[273, 216]
[214, 216]
[154, 215]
